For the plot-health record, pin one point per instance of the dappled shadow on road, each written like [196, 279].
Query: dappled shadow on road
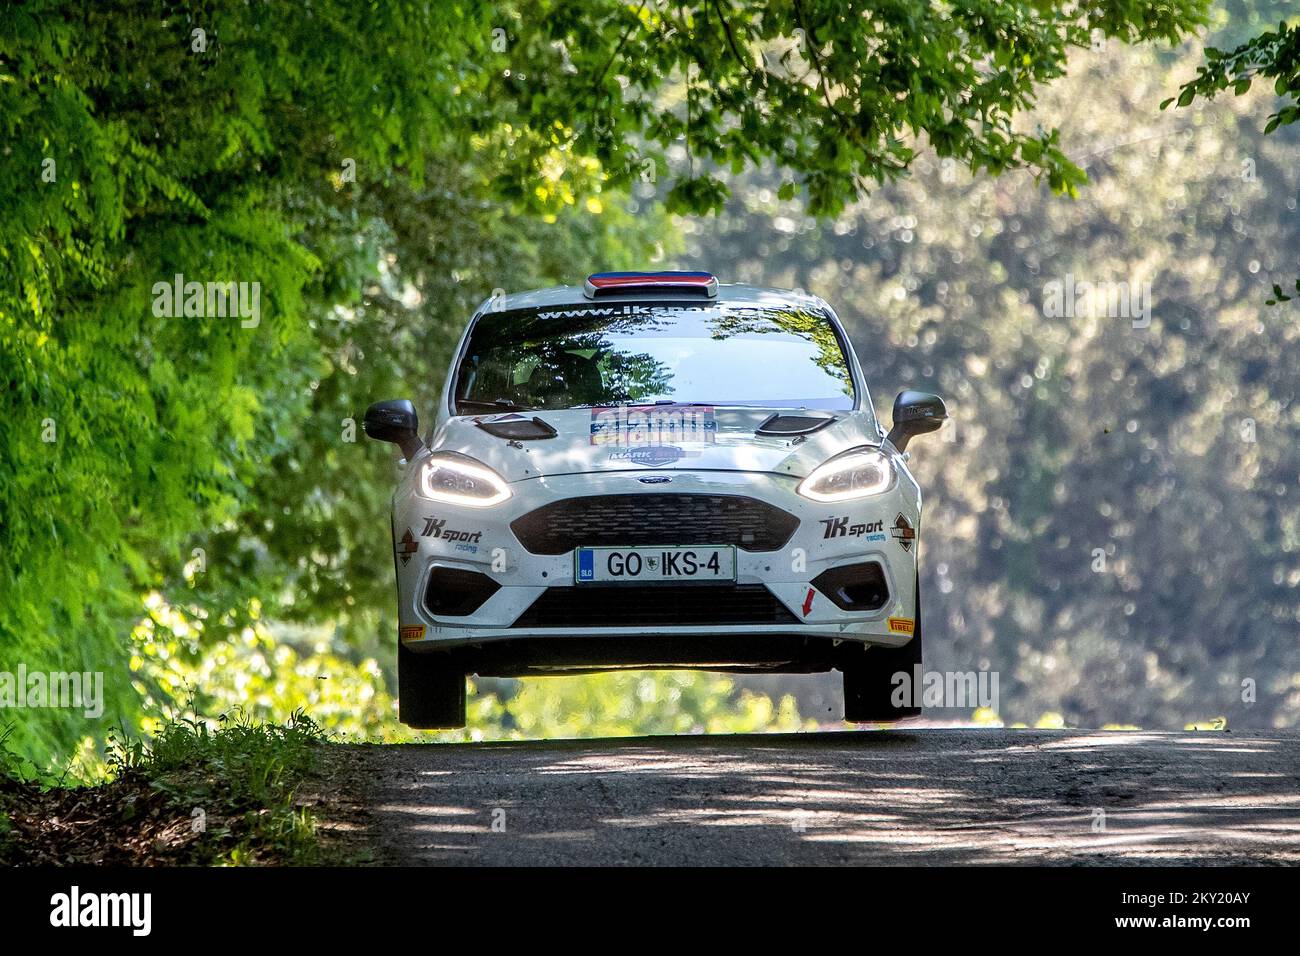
[969, 796]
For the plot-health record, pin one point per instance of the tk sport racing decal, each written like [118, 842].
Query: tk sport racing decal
[903, 532]
[435, 527]
[840, 527]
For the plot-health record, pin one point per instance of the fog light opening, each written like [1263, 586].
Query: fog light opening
[854, 587]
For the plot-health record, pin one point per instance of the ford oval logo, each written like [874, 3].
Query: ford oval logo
[654, 480]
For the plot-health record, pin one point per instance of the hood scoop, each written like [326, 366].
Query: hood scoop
[781, 425]
[516, 427]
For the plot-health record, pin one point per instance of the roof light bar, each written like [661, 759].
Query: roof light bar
[614, 283]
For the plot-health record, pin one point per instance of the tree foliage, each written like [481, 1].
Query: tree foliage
[836, 93]
[148, 452]
[1272, 55]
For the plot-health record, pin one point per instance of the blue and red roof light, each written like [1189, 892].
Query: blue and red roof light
[612, 283]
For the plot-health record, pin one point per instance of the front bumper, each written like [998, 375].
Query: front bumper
[430, 535]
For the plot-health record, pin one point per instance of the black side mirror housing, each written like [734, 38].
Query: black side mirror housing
[397, 422]
[915, 413]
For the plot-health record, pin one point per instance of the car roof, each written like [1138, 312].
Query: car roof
[729, 293]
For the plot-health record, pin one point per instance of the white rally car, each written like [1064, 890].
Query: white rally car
[654, 470]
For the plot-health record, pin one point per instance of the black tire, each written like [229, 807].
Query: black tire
[869, 682]
[430, 695]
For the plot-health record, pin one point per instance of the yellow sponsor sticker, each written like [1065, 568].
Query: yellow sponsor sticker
[410, 632]
[902, 625]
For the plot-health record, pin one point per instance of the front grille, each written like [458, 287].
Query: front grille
[654, 519]
[661, 604]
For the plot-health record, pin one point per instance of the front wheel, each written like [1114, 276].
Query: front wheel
[430, 694]
[869, 685]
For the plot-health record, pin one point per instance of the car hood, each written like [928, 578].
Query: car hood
[698, 438]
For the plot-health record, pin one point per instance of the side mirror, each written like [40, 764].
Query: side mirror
[915, 413]
[397, 422]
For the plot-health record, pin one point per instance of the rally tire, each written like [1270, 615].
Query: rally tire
[430, 695]
[869, 682]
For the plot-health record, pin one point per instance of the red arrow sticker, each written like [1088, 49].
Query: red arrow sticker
[807, 602]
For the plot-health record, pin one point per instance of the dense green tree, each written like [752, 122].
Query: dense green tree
[223, 143]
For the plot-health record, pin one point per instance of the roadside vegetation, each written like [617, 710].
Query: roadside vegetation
[225, 792]
[240, 790]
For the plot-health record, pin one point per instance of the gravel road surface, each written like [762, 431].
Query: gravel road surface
[896, 797]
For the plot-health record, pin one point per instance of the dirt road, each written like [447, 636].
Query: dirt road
[901, 797]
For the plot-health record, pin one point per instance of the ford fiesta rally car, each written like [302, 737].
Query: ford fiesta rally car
[654, 470]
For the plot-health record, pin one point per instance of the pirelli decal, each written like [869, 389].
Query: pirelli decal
[410, 632]
[902, 625]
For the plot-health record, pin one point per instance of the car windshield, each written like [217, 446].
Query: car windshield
[545, 359]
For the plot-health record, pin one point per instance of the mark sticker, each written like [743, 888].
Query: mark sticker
[407, 547]
[903, 532]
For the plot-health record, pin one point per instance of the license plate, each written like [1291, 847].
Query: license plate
[642, 565]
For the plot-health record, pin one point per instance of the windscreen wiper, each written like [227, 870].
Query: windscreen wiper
[658, 401]
[500, 404]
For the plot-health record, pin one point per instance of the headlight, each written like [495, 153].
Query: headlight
[460, 480]
[854, 474]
